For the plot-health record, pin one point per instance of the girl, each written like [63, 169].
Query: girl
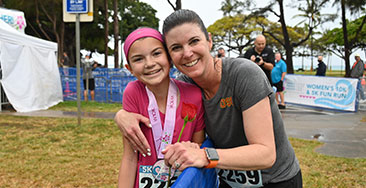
[156, 96]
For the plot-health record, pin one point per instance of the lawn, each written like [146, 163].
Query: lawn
[328, 73]
[56, 152]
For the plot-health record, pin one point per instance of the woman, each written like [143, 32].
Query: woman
[241, 114]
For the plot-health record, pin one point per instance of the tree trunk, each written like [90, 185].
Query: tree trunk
[178, 5]
[106, 33]
[62, 40]
[289, 48]
[345, 38]
[116, 33]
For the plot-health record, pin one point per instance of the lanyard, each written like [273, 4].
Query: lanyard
[163, 137]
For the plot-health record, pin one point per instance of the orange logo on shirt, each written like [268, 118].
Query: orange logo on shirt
[226, 102]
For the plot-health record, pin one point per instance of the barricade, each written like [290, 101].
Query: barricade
[109, 83]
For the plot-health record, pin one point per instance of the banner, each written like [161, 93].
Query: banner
[14, 18]
[326, 92]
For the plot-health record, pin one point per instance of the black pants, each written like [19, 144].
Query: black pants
[295, 182]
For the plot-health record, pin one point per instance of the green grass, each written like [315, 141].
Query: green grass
[56, 152]
[90, 106]
[328, 73]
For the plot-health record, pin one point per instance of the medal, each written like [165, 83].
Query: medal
[162, 137]
[160, 171]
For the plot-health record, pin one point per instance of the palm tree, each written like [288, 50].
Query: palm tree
[355, 6]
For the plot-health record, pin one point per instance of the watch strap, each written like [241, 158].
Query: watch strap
[211, 163]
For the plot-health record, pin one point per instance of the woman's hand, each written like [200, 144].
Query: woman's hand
[184, 154]
[128, 123]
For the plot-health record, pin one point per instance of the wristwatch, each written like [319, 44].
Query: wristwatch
[212, 157]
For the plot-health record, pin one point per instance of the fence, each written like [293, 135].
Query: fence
[109, 83]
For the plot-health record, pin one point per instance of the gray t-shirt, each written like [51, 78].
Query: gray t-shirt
[243, 84]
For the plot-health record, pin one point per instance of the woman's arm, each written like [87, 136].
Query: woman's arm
[259, 154]
[128, 169]
[128, 123]
[261, 151]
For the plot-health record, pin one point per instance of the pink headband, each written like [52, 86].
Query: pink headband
[140, 33]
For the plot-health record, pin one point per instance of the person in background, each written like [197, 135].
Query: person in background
[88, 65]
[65, 61]
[357, 71]
[278, 75]
[241, 114]
[262, 55]
[322, 68]
[156, 96]
[221, 52]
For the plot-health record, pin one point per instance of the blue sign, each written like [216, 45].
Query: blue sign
[76, 6]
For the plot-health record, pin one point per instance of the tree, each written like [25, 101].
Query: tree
[355, 6]
[106, 33]
[136, 14]
[312, 6]
[234, 32]
[333, 41]
[44, 20]
[116, 33]
[178, 5]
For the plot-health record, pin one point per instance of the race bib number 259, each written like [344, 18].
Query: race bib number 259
[241, 179]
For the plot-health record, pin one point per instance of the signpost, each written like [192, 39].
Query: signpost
[77, 7]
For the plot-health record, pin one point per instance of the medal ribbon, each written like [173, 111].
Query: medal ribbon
[163, 137]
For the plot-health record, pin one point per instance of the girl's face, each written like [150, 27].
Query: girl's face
[148, 61]
[189, 49]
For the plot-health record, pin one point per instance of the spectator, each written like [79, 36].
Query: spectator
[262, 55]
[322, 68]
[357, 71]
[278, 75]
[221, 52]
[88, 65]
[65, 61]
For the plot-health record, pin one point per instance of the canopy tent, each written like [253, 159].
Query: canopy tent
[30, 75]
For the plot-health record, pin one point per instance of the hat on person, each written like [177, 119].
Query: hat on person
[138, 34]
[357, 55]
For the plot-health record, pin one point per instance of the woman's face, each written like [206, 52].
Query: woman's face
[148, 61]
[189, 49]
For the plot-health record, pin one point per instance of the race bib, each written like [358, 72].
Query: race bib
[147, 180]
[241, 179]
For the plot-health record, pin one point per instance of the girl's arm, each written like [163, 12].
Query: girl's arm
[128, 169]
[198, 137]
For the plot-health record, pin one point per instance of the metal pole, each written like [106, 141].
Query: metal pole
[77, 36]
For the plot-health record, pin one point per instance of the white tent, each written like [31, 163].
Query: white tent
[30, 75]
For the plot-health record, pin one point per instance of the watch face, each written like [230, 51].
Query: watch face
[212, 154]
